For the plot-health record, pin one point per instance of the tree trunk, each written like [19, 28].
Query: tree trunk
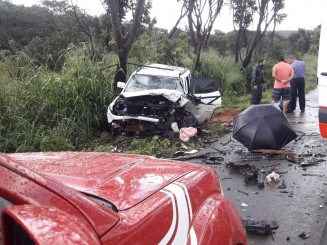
[124, 43]
[197, 66]
[172, 32]
[237, 45]
[273, 35]
[190, 23]
[121, 70]
[239, 35]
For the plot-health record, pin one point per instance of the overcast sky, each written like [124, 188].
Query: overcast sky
[305, 14]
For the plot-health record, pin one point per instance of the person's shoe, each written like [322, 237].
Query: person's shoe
[302, 111]
[289, 111]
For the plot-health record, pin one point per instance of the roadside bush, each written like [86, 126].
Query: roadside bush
[54, 142]
[51, 111]
[230, 76]
[311, 62]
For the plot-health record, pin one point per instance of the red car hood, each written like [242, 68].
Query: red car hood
[122, 179]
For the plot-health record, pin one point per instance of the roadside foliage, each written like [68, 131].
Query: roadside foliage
[55, 87]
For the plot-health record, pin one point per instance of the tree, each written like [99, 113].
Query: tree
[124, 42]
[181, 16]
[244, 14]
[278, 18]
[38, 32]
[59, 7]
[85, 23]
[219, 41]
[243, 11]
[200, 23]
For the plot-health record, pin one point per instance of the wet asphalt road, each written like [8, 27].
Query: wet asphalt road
[305, 210]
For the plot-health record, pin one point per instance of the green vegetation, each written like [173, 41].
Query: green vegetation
[43, 110]
[55, 87]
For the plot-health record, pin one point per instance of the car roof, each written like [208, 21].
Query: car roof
[161, 70]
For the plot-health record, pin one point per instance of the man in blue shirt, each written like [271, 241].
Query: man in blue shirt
[298, 84]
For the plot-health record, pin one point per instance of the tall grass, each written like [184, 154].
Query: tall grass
[50, 111]
[223, 68]
[45, 111]
[311, 62]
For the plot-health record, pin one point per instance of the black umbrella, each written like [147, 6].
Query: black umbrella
[262, 127]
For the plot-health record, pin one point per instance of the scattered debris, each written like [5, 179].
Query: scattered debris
[291, 193]
[312, 161]
[289, 154]
[214, 160]
[227, 178]
[282, 186]
[245, 193]
[253, 178]
[304, 236]
[174, 127]
[196, 156]
[272, 176]
[191, 152]
[256, 178]
[308, 174]
[273, 224]
[300, 136]
[261, 228]
[306, 155]
[185, 134]
[244, 204]
[242, 168]
[321, 206]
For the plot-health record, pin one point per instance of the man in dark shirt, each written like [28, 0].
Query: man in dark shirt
[257, 82]
[297, 83]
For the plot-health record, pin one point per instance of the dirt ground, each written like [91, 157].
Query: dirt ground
[226, 116]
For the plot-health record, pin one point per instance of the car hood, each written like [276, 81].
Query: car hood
[122, 179]
[171, 95]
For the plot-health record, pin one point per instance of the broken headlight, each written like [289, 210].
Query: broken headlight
[120, 106]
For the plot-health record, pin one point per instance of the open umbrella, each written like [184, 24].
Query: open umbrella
[262, 127]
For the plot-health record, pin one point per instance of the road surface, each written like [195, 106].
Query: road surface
[300, 207]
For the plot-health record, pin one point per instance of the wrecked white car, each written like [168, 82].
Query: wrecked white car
[156, 95]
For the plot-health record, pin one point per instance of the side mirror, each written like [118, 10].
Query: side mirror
[324, 73]
[121, 85]
[30, 224]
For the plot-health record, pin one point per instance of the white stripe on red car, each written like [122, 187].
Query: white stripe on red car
[183, 212]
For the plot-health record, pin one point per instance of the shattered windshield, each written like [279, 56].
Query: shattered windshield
[147, 82]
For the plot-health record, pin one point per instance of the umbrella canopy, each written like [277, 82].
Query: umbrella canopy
[262, 127]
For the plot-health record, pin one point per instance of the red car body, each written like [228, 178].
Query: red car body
[102, 198]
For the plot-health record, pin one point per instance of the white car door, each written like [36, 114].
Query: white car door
[207, 97]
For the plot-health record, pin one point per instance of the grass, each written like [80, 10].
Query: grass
[45, 111]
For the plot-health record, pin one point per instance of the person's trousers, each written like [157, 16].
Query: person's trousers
[298, 87]
[256, 95]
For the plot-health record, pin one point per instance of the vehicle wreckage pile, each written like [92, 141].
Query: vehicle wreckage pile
[159, 98]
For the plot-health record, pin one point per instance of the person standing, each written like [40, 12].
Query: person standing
[257, 82]
[298, 83]
[283, 74]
